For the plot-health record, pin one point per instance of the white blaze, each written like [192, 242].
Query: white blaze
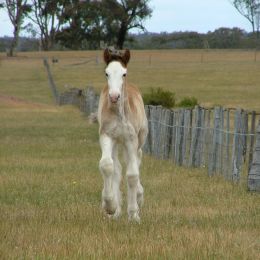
[115, 78]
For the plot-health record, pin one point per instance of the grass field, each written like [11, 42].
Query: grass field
[50, 186]
[229, 78]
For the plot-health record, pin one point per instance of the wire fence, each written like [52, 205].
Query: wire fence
[223, 140]
[220, 139]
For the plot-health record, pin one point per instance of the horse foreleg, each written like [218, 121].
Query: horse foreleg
[106, 166]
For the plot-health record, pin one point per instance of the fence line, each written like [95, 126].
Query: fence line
[52, 84]
[222, 140]
[187, 138]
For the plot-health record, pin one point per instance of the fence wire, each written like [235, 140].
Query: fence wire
[200, 138]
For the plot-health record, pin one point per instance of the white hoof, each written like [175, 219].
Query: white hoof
[134, 217]
[116, 215]
[140, 199]
[109, 205]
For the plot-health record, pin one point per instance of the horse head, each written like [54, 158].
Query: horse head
[116, 72]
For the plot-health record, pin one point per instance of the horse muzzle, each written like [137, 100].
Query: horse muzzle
[114, 98]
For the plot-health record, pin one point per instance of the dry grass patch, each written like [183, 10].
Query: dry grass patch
[50, 187]
[228, 78]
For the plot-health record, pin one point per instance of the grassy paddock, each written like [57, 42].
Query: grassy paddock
[50, 186]
[50, 199]
[228, 78]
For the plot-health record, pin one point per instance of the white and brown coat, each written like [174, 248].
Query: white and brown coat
[122, 121]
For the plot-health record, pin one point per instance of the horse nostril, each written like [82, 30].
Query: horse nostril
[114, 98]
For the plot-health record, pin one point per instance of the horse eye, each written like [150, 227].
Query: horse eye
[106, 75]
[124, 75]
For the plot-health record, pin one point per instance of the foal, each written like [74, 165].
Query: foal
[122, 121]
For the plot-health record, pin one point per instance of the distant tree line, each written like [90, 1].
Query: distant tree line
[91, 24]
[222, 38]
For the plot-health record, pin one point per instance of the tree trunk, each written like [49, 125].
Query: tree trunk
[121, 36]
[14, 42]
[45, 42]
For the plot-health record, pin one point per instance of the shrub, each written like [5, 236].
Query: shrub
[189, 102]
[160, 97]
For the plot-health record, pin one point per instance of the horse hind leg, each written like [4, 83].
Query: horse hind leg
[140, 189]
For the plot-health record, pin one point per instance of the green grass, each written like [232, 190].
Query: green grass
[50, 188]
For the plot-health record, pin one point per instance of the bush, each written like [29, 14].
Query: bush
[160, 97]
[189, 102]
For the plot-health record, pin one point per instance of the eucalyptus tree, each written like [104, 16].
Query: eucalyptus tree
[120, 16]
[46, 16]
[85, 23]
[81, 24]
[250, 9]
[16, 10]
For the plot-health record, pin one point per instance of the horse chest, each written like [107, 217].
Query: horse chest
[121, 131]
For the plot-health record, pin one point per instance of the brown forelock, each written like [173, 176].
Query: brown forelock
[117, 58]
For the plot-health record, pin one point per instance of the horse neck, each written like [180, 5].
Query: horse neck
[123, 103]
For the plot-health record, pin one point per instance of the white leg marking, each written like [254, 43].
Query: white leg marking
[132, 173]
[106, 166]
[140, 189]
[117, 181]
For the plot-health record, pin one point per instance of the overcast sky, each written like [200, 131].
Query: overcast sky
[179, 15]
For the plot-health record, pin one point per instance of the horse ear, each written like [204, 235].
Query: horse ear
[107, 56]
[126, 57]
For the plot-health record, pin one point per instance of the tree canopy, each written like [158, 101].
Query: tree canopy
[250, 9]
[16, 10]
[77, 24]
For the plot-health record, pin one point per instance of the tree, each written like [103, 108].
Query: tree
[120, 16]
[16, 9]
[45, 15]
[250, 9]
[86, 23]
[81, 25]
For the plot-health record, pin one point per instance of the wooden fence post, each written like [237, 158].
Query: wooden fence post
[153, 128]
[82, 102]
[166, 133]
[220, 142]
[147, 145]
[187, 137]
[179, 138]
[174, 120]
[254, 173]
[252, 139]
[91, 100]
[52, 84]
[213, 156]
[203, 136]
[237, 147]
[227, 150]
[159, 144]
[208, 137]
[195, 151]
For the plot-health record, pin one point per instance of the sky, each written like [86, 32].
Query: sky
[178, 15]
